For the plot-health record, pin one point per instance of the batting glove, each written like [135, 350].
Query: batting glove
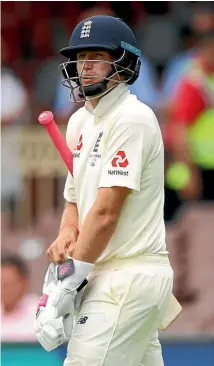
[54, 323]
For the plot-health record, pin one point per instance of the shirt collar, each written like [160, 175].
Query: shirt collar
[107, 101]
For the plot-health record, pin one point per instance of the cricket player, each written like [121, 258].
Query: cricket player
[112, 230]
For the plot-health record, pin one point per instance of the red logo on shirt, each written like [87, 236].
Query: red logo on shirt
[79, 145]
[120, 160]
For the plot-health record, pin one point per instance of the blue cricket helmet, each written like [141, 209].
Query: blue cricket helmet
[101, 31]
[107, 33]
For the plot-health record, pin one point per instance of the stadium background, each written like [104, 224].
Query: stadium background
[33, 175]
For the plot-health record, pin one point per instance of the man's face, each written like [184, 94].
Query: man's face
[96, 69]
[13, 286]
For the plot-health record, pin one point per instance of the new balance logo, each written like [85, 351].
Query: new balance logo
[86, 29]
[82, 319]
[120, 160]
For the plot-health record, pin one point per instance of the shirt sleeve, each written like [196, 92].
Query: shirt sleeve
[69, 190]
[127, 151]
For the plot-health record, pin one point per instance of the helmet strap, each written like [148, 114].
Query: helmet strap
[92, 90]
[95, 89]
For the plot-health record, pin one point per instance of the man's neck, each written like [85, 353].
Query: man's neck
[92, 104]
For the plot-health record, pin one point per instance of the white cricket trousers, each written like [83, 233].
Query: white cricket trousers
[122, 308]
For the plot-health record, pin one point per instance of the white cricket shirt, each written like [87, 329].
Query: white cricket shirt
[119, 143]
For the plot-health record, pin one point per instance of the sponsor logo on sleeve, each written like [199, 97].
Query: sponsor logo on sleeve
[119, 161]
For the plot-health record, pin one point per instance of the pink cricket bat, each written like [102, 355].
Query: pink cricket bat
[47, 120]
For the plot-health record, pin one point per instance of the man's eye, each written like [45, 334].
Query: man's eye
[99, 55]
[81, 56]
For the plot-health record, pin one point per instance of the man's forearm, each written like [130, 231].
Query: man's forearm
[94, 237]
[69, 217]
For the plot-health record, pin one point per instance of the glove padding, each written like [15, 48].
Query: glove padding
[50, 332]
[72, 278]
[55, 313]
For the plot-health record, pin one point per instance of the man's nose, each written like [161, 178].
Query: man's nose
[89, 65]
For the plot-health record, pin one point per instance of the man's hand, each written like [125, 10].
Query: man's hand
[58, 250]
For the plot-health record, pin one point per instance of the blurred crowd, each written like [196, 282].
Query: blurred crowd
[176, 80]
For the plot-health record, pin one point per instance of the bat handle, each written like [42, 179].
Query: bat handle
[46, 118]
